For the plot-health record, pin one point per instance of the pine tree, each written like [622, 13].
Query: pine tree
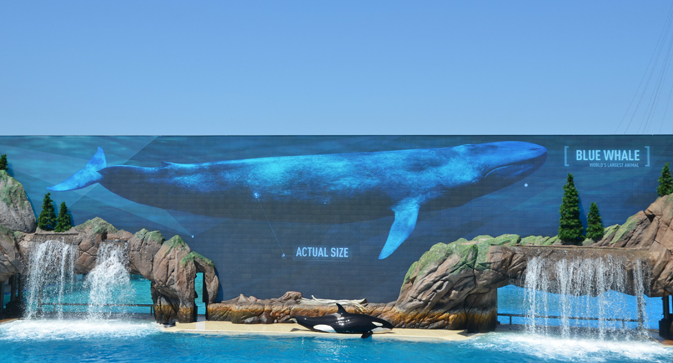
[63, 223]
[47, 218]
[595, 228]
[665, 182]
[3, 162]
[570, 226]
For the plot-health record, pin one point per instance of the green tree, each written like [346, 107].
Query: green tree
[570, 227]
[665, 182]
[47, 218]
[3, 162]
[595, 228]
[63, 223]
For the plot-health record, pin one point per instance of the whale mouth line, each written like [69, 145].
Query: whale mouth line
[498, 171]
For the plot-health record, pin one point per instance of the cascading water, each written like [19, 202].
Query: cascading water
[109, 281]
[587, 288]
[51, 270]
[52, 279]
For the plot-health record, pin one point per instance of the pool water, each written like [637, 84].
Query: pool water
[138, 292]
[142, 341]
[139, 340]
[511, 300]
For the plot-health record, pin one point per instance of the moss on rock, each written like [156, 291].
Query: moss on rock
[13, 190]
[175, 242]
[4, 231]
[154, 236]
[196, 256]
[98, 226]
[625, 228]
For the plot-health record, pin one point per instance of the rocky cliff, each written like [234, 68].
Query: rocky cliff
[16, 216]
[16, 213]
[454, 286]
[10, 257]
[170, 265]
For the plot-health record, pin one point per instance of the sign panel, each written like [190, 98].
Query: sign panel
[333, 216]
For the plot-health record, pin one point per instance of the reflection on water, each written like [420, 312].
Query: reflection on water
[67, 341]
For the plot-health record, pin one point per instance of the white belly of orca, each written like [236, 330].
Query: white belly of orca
[324, 328]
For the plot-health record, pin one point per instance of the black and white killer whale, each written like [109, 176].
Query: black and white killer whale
[330, 188]
[345, 323]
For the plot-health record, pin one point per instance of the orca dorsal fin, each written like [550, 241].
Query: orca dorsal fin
[340, 309]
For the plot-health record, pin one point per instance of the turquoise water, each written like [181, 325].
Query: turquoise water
[511, 300]
[141, 341]
[138, 340]
[139, 293]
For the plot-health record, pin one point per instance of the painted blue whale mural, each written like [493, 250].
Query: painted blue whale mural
[330, 188]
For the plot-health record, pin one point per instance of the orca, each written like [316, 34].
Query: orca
[344, 322]
[329, 188]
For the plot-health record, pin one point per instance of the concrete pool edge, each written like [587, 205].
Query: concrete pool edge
[293, 329]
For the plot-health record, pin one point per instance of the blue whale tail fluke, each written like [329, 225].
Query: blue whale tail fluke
[406, 214]
[84, 177]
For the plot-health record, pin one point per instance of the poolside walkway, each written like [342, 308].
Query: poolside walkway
[293, 329]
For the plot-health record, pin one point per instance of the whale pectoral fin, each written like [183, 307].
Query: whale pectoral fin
[366, 335]
[406, 215]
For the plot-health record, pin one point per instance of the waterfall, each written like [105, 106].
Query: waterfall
[51, 265]
[109, 281]
[51, 279]
[586, 288]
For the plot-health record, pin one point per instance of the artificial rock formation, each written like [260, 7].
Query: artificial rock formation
[10, 257]
[250, 310]
[16, 213]
[173, 270]
[454, 286]
[16, 216]
[170, 265]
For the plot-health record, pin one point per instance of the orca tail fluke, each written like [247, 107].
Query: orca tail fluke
[84, 177]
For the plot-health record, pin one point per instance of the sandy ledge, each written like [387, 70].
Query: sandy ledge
[293, 329]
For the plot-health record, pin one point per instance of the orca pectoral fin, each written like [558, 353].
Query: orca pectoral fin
[366, 335]
[406, 215]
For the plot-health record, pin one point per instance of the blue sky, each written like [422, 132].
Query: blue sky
[339, 67]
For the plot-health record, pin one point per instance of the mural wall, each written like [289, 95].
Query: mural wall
[333, 216]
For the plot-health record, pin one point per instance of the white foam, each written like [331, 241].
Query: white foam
[22, 330]
[548, 347]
